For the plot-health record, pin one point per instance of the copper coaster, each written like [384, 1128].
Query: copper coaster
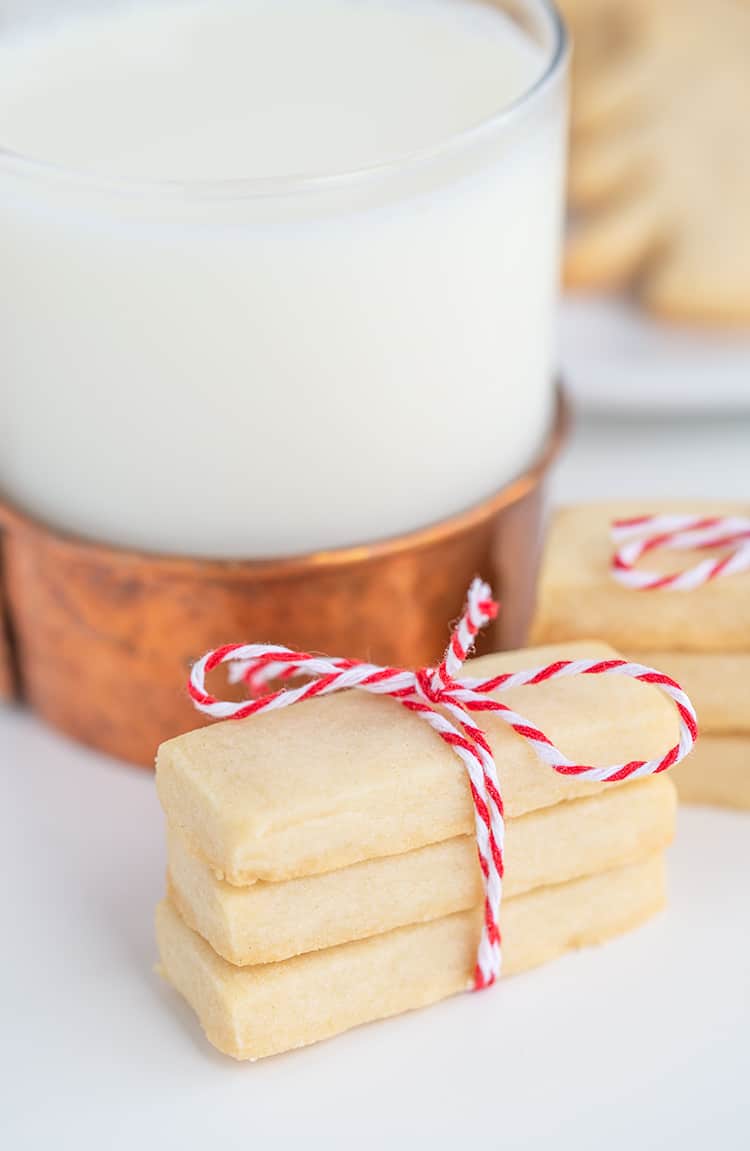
[98, 640]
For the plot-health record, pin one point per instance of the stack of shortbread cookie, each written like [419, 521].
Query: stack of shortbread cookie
[323, 867]
[701, 637]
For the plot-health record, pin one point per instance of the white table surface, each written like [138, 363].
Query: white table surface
[642, 1044]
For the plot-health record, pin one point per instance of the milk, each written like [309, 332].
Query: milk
[277, 275]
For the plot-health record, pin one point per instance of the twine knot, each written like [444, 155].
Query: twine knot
[431, 691]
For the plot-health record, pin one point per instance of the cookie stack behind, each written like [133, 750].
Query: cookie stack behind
[322, 863]
[699, 637]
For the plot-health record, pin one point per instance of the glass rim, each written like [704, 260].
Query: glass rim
[240, 187]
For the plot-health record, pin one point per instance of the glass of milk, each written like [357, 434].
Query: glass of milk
[277, 275]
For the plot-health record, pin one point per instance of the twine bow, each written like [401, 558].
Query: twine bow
[644, 534]
[447, 701]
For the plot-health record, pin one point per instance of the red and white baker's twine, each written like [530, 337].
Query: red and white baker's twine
[679, 533]
[426, 690]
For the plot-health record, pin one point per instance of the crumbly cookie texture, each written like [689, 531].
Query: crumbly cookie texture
[252, 1012]
[660, 167]
[717, 772]
[352, 777]
[718, 685]
[268, 922]
[577, 595]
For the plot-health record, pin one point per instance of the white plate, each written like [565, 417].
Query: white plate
[616, 358]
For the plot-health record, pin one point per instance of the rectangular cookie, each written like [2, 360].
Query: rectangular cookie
[268, 922]
[251, 1012]
[577, 596]
[351, 776]
[718, 684]
[717, 772]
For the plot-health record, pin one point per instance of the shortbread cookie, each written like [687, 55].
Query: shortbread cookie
[351, 777]
[663, 193]
[610, 41]
[718, 685]
[251, 1012]
[267, 922]
[577, 595]
[717, 772]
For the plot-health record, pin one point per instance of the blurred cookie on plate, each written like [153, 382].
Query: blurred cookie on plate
[660, 154]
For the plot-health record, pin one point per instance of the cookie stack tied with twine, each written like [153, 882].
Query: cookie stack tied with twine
[660, 168]
[609, 570]
[343, 859]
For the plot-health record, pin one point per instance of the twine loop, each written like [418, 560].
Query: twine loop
[643, 534]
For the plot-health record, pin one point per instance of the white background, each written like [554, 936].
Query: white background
[642, 1044]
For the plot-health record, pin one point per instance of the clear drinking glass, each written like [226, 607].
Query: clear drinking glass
[244, 368]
